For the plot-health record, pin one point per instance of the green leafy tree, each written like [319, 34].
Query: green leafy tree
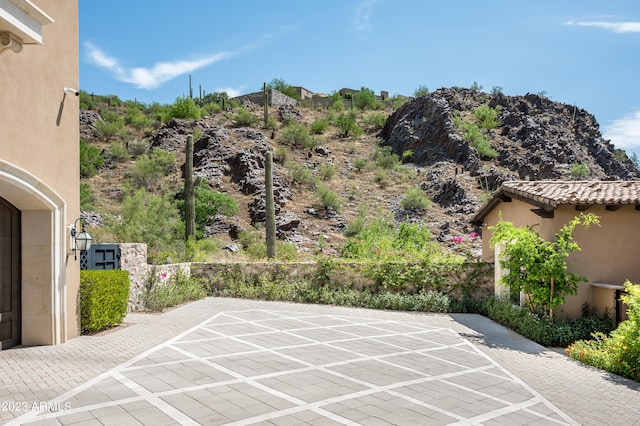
[365, 99]
[295, 135]
[185, 108]
[319, 126]
[150, 168]
[476, 87]
[538, 267]
[347, 123]
[147, 218]
[422, 90]
[110, 127]
[496, 90]
[90, 159]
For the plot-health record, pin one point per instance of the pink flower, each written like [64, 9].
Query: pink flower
[473, 235]
[456, 240]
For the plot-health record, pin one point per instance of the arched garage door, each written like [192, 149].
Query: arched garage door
[10, 301]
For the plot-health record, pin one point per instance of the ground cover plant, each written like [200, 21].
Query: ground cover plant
[178, 289]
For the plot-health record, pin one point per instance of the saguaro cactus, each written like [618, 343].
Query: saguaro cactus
[270, 210]
[265, 99]
[189, 201]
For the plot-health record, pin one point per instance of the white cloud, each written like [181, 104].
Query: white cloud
[624, 132]
[231, 92]
[362, 17]
[149, 78]
[616, 27]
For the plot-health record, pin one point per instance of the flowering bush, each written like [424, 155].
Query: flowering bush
[618, 352]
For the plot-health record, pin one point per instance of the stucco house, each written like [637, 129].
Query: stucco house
[609, 253]
[39, 171]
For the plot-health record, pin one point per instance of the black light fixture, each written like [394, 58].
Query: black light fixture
[82, 241]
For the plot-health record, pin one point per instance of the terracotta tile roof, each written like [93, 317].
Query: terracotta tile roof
[550, 194]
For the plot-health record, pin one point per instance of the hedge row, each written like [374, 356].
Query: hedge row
[104, 296]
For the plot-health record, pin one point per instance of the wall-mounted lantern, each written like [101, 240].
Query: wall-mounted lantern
[80, 241]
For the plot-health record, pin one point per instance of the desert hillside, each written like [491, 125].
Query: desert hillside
[453, 146]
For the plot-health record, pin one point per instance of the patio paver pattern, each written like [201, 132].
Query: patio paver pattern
[229, 361]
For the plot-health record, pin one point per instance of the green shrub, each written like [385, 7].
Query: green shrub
[328, 198]
[271, 124]
[357, 226]
[86, 197]
[319, 290]
[299, 174]
[422, 90]
[244, 118]
[212, 108]
[540, 328]
[136, 118]
[579, 170]
[375, 122]
[618, 352]
[90, 159]
[185, 108]
[178, 290]
[474, 136]
[407, 155]
[319, 126]
[136, 148]
[110, 127]
[150, 168]
[415, 199]
[347, 123]
[281, 154]
[360, 163]
[337, 105]
[255, 247]
[147, 218]
[104, 296]
[365, 99]
[380, 239]
[385, 158]
[208, 205]
[487, 117]
[87, 101]
[326, 171]
[295, 135]
[118, 151]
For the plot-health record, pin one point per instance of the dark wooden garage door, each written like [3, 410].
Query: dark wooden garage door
[10, 316]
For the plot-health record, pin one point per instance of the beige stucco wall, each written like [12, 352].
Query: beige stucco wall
[608, 253]
[39, 170]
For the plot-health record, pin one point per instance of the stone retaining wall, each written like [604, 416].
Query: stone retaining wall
[133, 259]
[276, 98]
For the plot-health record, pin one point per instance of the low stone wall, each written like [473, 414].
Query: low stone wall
[133, 259]
[276, 98]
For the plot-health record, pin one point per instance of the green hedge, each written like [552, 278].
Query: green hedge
[104, 296]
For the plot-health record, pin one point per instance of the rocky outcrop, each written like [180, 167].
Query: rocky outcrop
[537, 139]
[237, 154]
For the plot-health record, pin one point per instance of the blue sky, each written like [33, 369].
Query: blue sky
[580, 52]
